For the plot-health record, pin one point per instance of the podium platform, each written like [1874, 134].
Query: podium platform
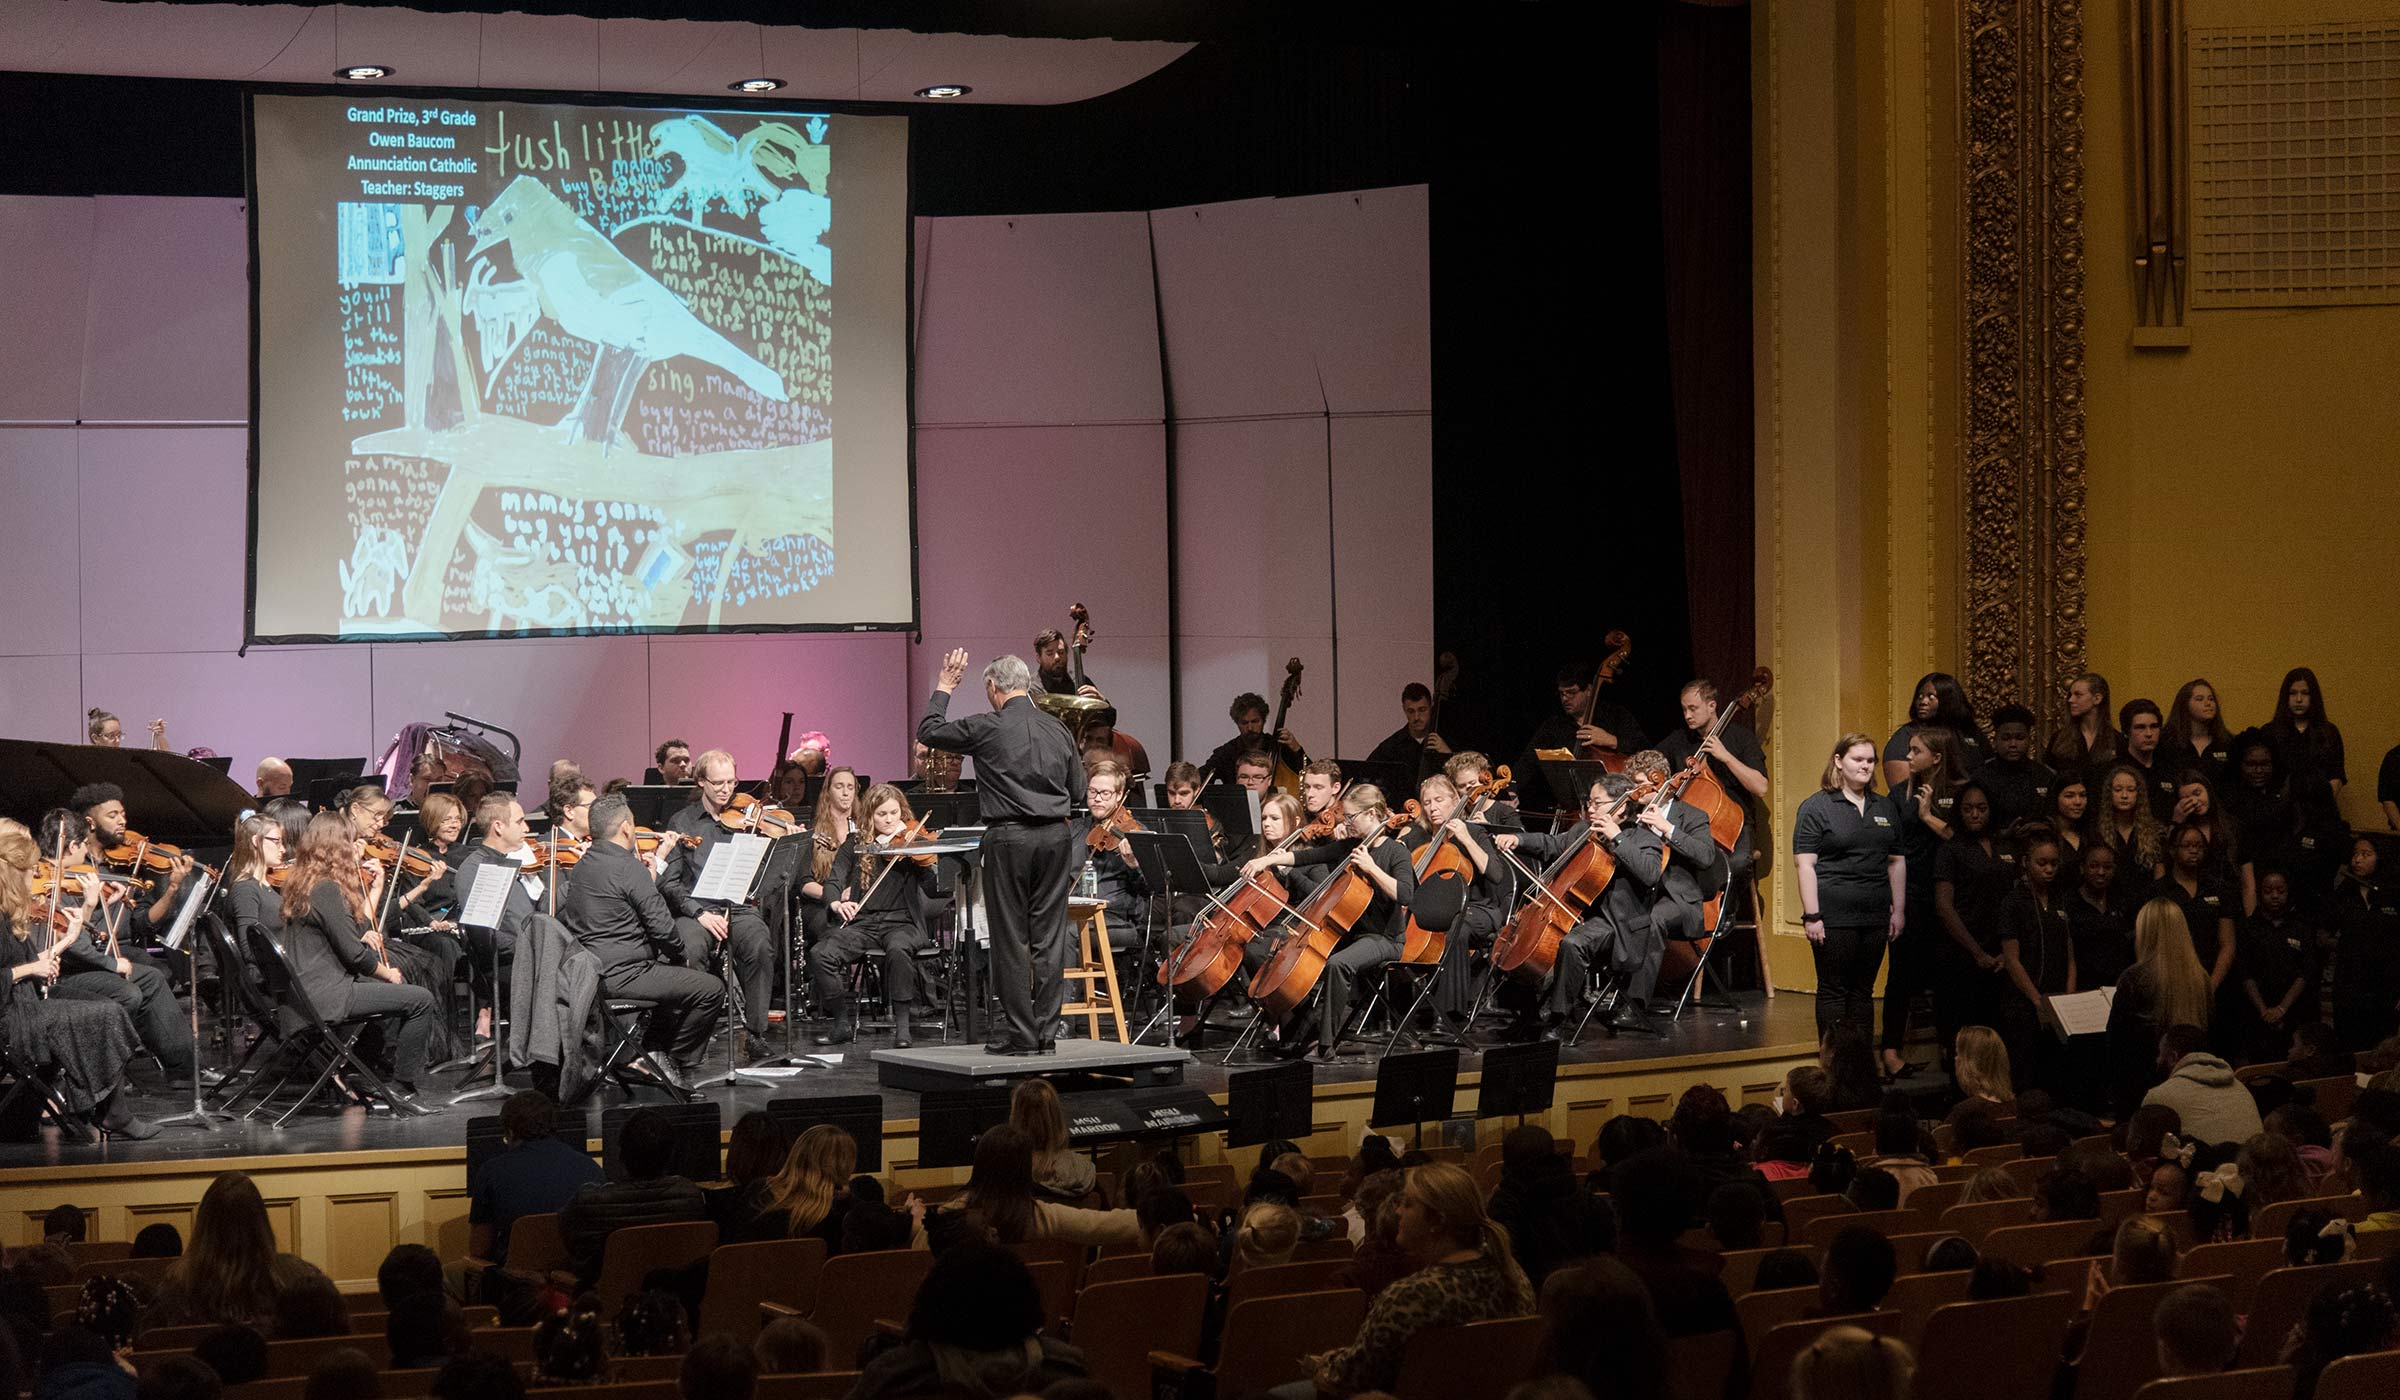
[969, 1066]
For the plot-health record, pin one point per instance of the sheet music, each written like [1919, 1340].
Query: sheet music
[2083, 1013]
[732, 863]
[193, 898]
[487, 898]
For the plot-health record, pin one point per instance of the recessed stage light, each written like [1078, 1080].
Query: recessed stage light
[941, 90]
[364, 72]
[754, 86]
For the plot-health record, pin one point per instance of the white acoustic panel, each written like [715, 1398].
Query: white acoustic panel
[1234, 340]
[163, 537]
[1361, 284]
[1038, 319]
[578, 698]
[1217, 669]
[170, 311]
[306, 702]
[1255, 549]
[731, 692]
[46, 247]
[38, 544]
[1383, 584]
[41, 697]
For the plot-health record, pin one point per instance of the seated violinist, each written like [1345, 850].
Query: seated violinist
[706, 924]
[500, 820]
[329, 902]
[617, 910]
[103, 805]
[879, 906]
[95, 965]
[426, 959]
[1110, 856]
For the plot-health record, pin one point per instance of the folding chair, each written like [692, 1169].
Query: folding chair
[331, 1046]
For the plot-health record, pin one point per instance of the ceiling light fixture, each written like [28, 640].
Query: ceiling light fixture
[755, 86]
[943, 90]
[364, 72]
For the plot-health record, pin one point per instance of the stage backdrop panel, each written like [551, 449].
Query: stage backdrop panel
[1044, 362]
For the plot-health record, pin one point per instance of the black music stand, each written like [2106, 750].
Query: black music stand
[1267, 1104]
[1170, 865]
[653, 802]
[1414, 1089]
[699, 1127]
[1518, 1080]
[1570, 782]
[1236, 811]
[949, 1121]
[859, 1115]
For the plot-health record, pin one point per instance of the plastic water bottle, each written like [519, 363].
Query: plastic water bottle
[1088, 884]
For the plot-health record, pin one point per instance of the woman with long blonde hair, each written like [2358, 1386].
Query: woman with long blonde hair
[2166, 986]
[89, 1042]
[1984, 1075]
[812, 1192]
[1467, 1273]
[1034, 1110]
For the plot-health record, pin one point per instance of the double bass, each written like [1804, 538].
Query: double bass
[1619, 647]
[1212, 956]
[1286, 778]
[1563, 896]
[1324, 919]
[1443, 874]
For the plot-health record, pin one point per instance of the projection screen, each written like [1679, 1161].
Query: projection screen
[528, 370]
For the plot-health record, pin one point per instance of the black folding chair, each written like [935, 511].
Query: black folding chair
[312, 1040]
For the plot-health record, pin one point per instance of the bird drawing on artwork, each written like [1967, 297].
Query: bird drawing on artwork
[596, 293]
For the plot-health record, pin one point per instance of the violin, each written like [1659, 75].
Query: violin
[1619, 647]
[1108, 835]
[414, 862]
[1563, 896]
[113, 887]
[747, 813]
[920, 829]
[560, 855]
[138, 852]
[1325, 918]
[647, 842]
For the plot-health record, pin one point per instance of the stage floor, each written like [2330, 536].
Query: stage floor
[1755, 1022]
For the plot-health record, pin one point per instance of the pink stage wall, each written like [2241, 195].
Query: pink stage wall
[1278, 350]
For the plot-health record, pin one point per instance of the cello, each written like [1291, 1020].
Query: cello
[1563, 896]
[1325, 918]
[1619, 647]
[1444, 872]
[1698, 786]
[1212, 956]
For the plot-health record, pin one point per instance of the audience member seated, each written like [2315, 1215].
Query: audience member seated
[2212, 1105]
[1737, 1217]
[2311, 1138]
[791, 1346]
[160, 1241]
[108, 1307]
[1380, 1259]
[1187, 1248]
[1832, 1170]
[2379, 1183]
[534, 1174]
[2144, 1251]
[2108, 1171]
[1162, 1206]
[2063, 1193]
[1873, 1188]
[1851, 1363]
[1785, 1268]
[1998, 1278]
[1468, 1274]
[344, 1374]
[1001, 1204]
[1900, 1150]
[1268, 1235]
[313, 1307]
[1653, 1198]
[1951, 1253]
[810, 1197]
[2339, 1323]
[975, 1328]
[1859, 1269]
[175, 1378]
[2141, 1133]
[652, 1323]
[1991, 1184]
[871, 1223]
[2316, 1053]
[1601, 1330]
[649, 1195]
[1978, 1130]
[1549, 1216]
[408, 1270]
[232, 1272]
[1621, 1139]
[425, 1329]
[2042, 1139]
[1712, 1137]
[478, 1376]
[718, 1368]
[1984, 1078]
[77, 1364]
[1059, 1171]
[570, 1346]
[64, 1225]
[755, 1151]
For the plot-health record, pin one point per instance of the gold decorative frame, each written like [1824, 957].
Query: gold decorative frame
[2022, 480]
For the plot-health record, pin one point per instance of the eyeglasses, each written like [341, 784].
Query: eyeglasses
[272, 838]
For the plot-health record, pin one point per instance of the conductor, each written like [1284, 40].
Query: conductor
[1026, 777]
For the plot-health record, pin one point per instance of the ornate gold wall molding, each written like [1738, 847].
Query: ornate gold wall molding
[2021, 175]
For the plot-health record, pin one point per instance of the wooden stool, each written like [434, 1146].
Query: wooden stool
[1097, 972]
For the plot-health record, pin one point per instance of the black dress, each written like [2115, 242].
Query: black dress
[88, 1042]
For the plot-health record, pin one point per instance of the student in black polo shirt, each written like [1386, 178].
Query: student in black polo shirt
[1928, 804]
[1853, 882]
[2210, 908]
[2277, 963]
[2020, 785]
[1938, 699]
[536, 1175]
[2037, 950]
[1972, 873]
[2196, 736]
[2069, 811]
[2387, 788]
[2100, 920]
[2144, 726]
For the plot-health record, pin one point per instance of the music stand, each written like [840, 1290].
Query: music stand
[338, 773]
[699, 1127]
[1398, 781]
[859, 1115]
[1415, 1088]
[1570, 782]
[1518, 1080]
[949, 1121]
[1266, 1104]
[652, 802]
[1236, 811]
[1170, 865]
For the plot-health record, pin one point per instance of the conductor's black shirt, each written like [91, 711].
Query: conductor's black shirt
[1026, 768]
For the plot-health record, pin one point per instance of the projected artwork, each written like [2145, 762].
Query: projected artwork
[586, 376]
